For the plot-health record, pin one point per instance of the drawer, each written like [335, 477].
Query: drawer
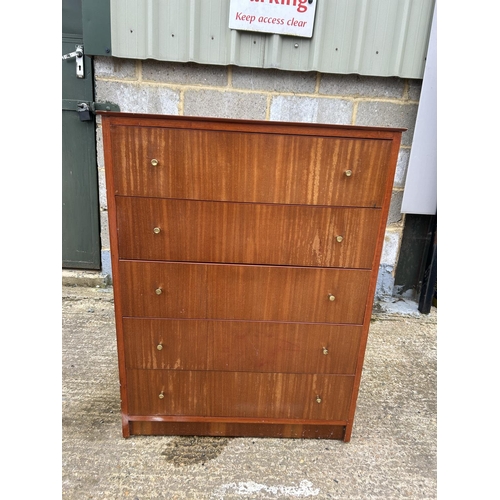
[201, 231]
[249, 167]
[240, 346]
[219, 291]
[166, 344]
[239, 394]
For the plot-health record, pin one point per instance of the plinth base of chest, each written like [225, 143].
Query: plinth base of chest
[238, 429]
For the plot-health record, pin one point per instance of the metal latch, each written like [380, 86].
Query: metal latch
[78, 55]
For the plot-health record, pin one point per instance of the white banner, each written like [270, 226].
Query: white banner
[284, 17]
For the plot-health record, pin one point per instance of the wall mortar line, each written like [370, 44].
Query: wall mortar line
[194, 87]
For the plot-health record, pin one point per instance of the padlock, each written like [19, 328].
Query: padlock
[84, 112]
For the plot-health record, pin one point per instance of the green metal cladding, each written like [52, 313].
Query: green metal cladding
[366, 37]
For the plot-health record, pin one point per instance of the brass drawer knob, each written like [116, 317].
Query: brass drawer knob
[331, 297]
[325, 351]
[340, 239]
[154, 162]
[318, 399]
[158, 291]
[161, 395]
[348, 173]
[156, 230]
[159, 347]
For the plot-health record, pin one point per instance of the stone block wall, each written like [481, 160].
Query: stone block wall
[264, 94]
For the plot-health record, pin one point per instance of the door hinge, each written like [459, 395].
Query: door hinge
[86, 109]
[78, 56]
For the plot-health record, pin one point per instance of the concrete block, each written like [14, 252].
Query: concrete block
[385, 283]
[388, 114]
[390, 249]
[104, 218]
[106, 266]
[402, 167]
[136, 98]
[92, 279]
[311, 110]
[362, 86]
[395, 215]
[101, 177]
[114, 67]
[219, 104]
[184, 74]
[274, 80]
[99, 146]
[414, 89]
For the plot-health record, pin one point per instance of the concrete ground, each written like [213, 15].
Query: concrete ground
[392, 453]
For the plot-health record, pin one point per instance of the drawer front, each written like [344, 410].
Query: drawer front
[249, 167]
[166, 344]
[218, 291]
[285, 347]
[240, 346]
[198, 231]
[239, 394]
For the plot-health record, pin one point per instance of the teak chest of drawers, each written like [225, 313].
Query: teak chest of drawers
[245, 257]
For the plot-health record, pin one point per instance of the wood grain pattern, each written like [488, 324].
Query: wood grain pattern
[240, 346]
[256, 167]
[244, 233]
[245, 259]
[239, 394]
[219, 291]
[185, 344]
[284, 347]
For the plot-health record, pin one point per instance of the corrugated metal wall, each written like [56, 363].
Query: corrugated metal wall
[366, 37]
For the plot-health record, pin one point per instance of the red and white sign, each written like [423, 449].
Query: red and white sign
[283, 17]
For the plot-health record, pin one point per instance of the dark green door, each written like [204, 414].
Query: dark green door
[80, 201]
